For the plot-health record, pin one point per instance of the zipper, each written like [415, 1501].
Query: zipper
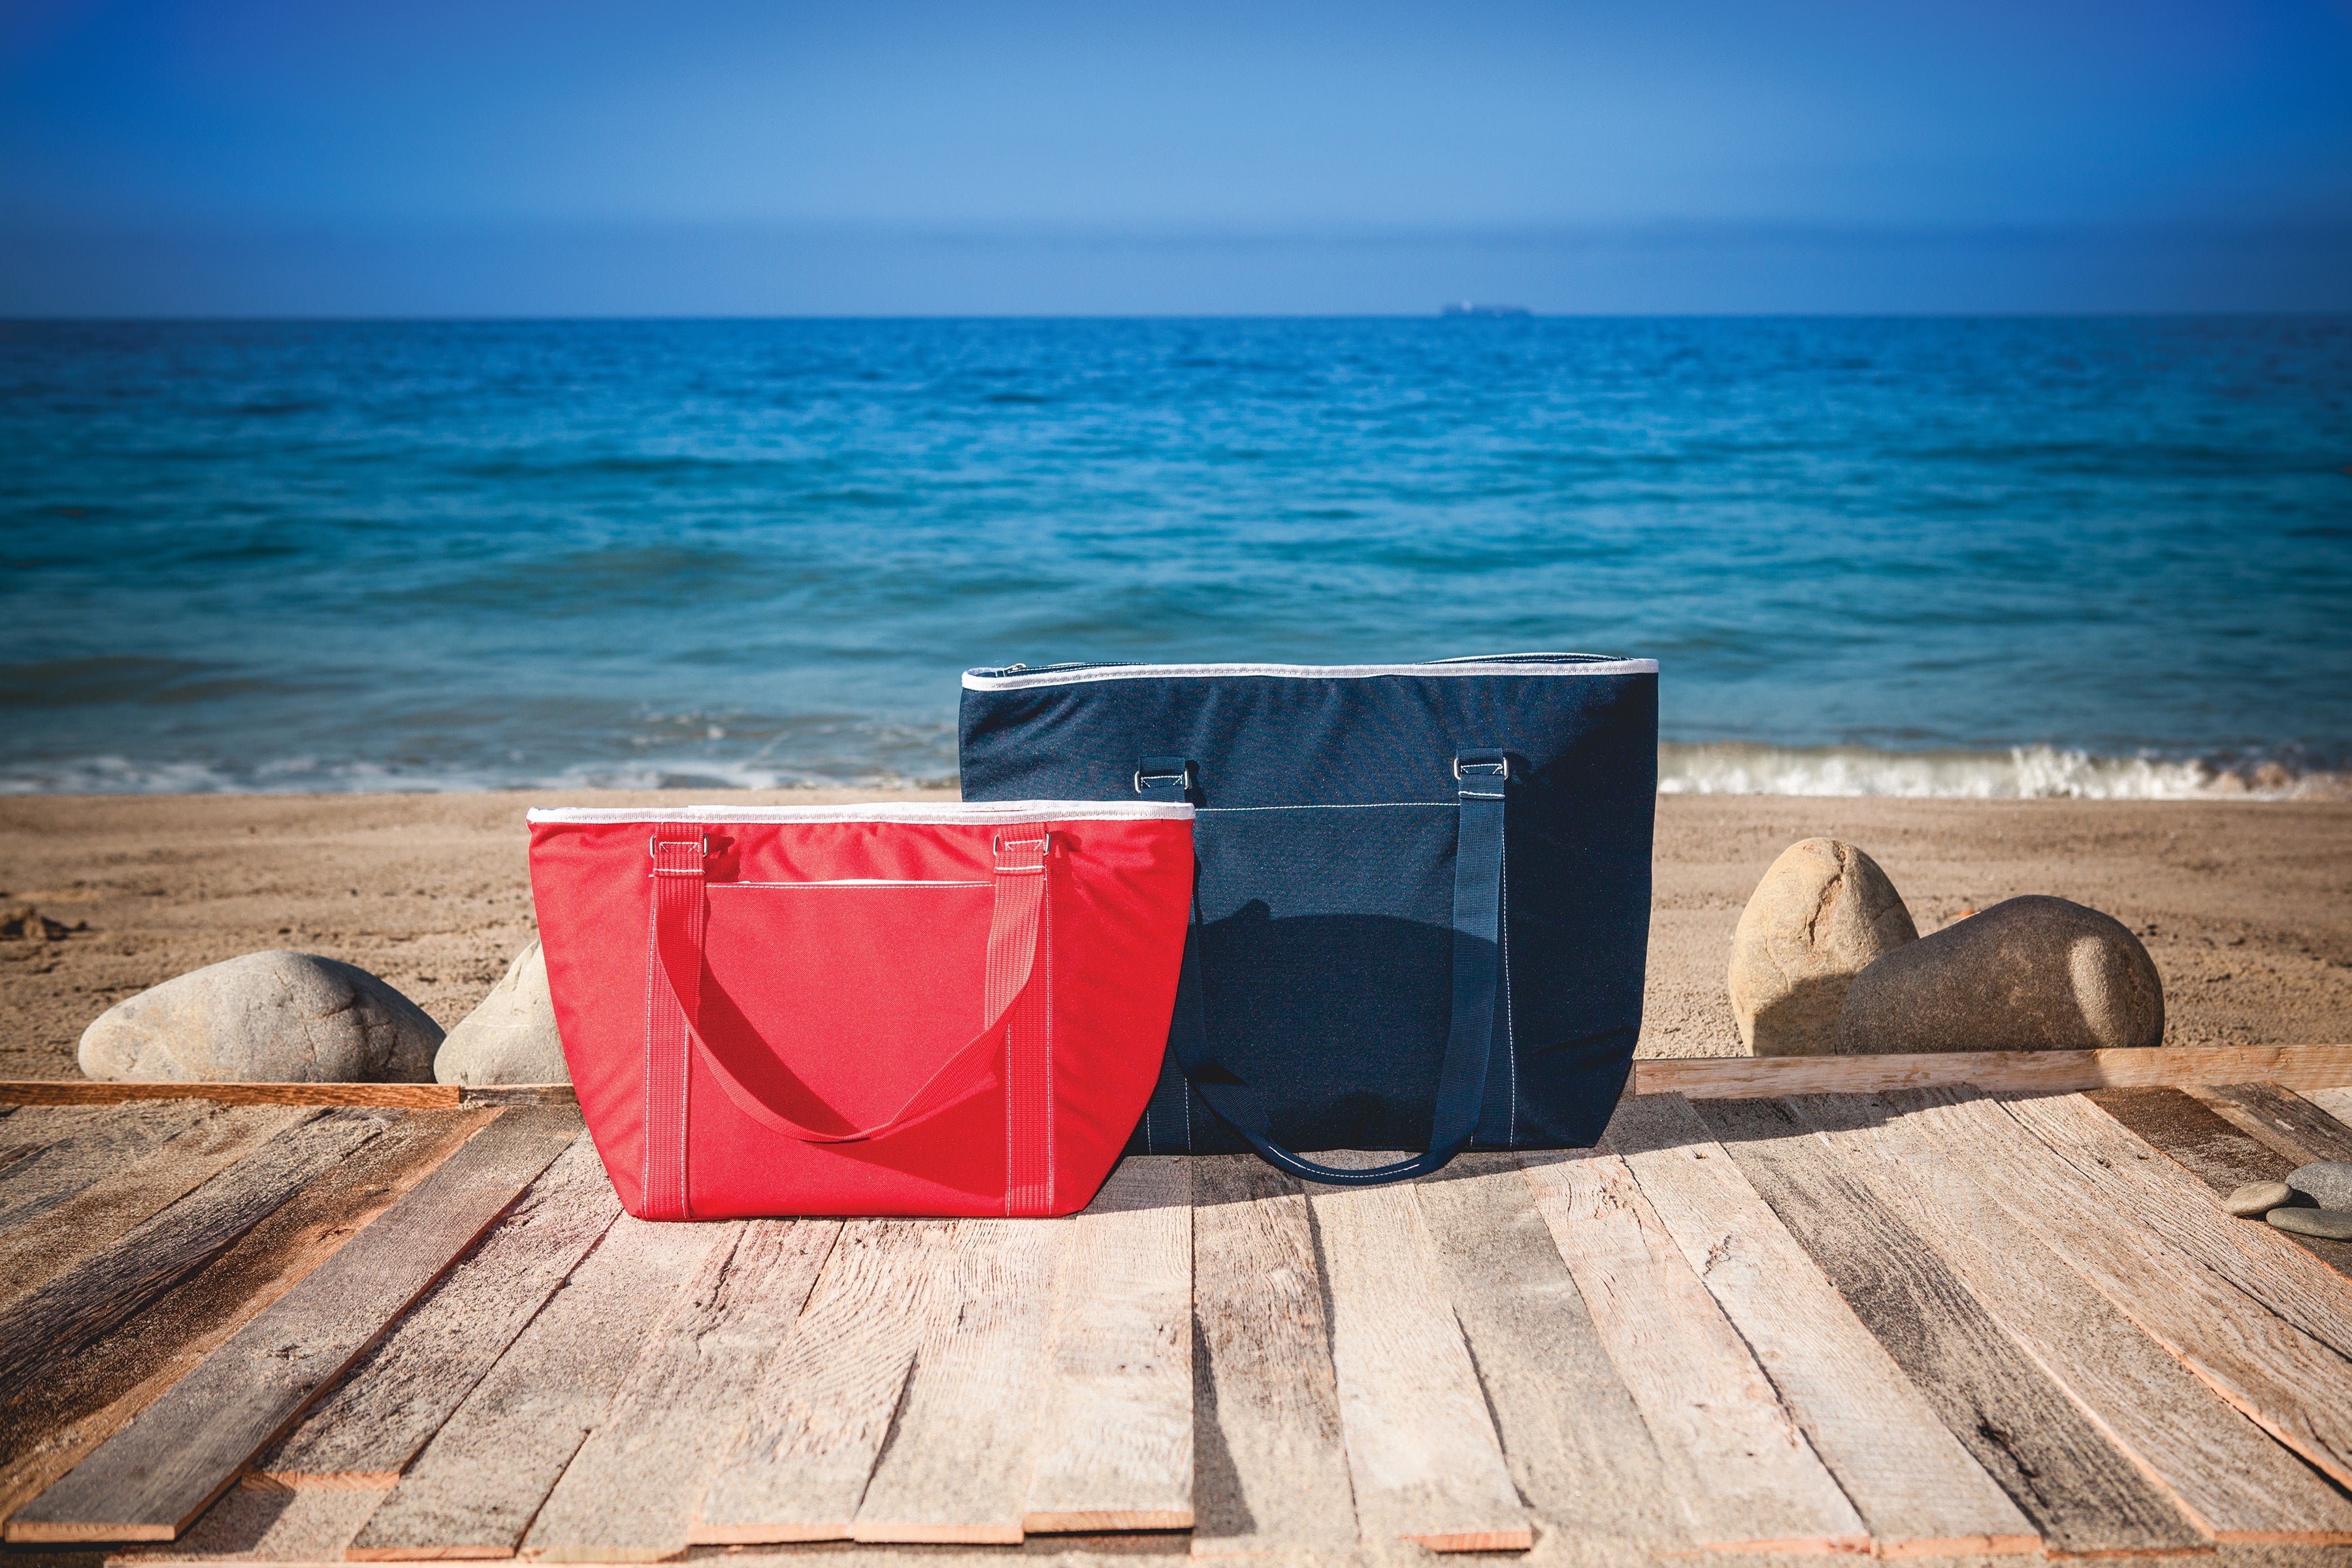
[1003, 670]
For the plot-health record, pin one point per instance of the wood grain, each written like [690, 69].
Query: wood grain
[628, 1495]
[150, 1479]
[1755, 1078]
[74, 1146]
[472, 1492]
[398, 1394]
[1577, 1448]
[2221, 1469]
[2216, 1150]
[2281, 1118]
[1270, 1465]
[2262, 1261]
[1115, 1451]
[114, 1284]
[2291, 1385]
[2080, 1492]
[1731, 1450]
[82, 1091]
[957, 1465]
[38, 1249]
[821, 1412]
[1422, 1453]
[2337, 1102]
[1911, 1479]
[401, 1096]
[84, 1396]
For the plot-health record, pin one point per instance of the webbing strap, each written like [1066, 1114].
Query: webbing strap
[677, 856]
[1483, 790]
[1017, 1009]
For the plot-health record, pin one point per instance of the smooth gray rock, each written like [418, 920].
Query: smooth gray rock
[2256, 1199]
[1822, 912]
[266, 1017]
[510, 1037]
[2331, 1225]
[2034, 973]
[2328, 1183]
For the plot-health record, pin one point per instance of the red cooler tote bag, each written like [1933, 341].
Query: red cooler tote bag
[893, 1009]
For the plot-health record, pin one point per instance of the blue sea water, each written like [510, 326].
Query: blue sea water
[2106, 556]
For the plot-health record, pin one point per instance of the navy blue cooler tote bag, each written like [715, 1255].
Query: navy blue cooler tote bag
[1422, 902]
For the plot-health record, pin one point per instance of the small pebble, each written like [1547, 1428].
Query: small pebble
[2256, 1199]
[2328, 1183]
[2333, 1224]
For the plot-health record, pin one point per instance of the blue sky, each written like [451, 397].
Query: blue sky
[265, 157]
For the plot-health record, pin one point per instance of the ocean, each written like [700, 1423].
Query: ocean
[2099, 557]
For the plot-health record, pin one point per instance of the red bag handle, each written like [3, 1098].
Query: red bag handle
[1013, 931]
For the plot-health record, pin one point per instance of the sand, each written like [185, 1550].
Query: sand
[2246, 906]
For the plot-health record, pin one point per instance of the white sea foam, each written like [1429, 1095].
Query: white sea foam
[1708, 768]
[2021, 773]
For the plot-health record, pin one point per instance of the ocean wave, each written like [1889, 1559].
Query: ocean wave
[2021, 773]
[306, 775]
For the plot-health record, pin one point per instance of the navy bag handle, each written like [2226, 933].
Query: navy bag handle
[1484, 781]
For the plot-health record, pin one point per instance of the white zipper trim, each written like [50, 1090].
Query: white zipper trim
[975, 681]
[944, 812]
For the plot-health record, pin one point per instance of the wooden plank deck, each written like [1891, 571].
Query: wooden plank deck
[1785, 1309]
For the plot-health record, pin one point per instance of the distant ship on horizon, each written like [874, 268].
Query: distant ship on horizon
[1465, 308]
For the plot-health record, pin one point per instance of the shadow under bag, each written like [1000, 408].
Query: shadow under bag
[1421, 903]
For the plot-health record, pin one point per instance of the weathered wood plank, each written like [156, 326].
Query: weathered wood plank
[148, 1481]
[1579, 1451]
[399, 1393]
[1422, 1453]
[2337, 1102]
[2083, 1495]
[75, 1146]
[2213, 1149]
[114, 1284]
[83, 1091]
[1115, 1451]
[2030, 1072]
[38, 1249]
[957, 1466]
[2291, 1385]
[1911, 1479]
[822, 1411]
[628, 1495]
[1270, 1465]
[2220, 1468]
[2281, 1118]
[1731, 1450]
[262, 1526]
[2259, 1259]
[42, 1091]
[474, 1490]
[84, 1396]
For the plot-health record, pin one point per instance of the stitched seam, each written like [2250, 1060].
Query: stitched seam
[1332, 806]
[1011, 1083]
[1045, 935]
[685, 1054]
[858, 885]
[1510, 1032]
[653, 957]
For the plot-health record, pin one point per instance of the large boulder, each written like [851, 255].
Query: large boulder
[1822, 912]
[510, 1037]
[2034, 973]
[266, 1017]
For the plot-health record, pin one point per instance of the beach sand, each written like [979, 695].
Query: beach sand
[2247, 908]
